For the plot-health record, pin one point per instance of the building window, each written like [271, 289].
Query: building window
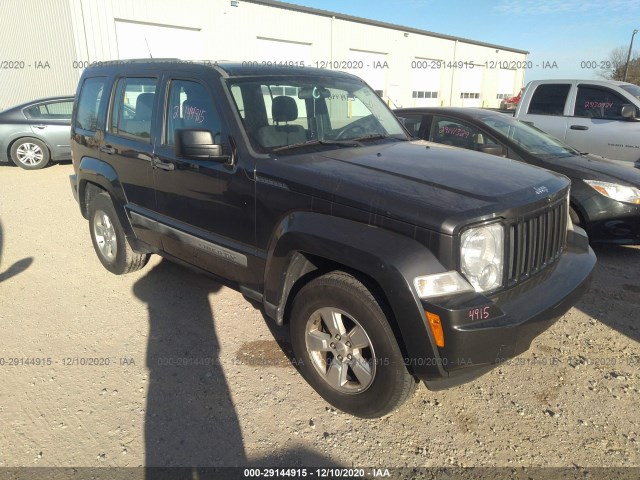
[503, 96]
[422, 94]
[469, 95]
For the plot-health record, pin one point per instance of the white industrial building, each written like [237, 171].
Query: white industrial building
[407, 66]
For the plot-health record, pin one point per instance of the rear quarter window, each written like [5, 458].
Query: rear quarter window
[89, 102]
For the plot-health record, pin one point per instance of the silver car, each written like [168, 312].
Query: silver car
[35, 133]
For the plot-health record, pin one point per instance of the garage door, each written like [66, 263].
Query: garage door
[470, 86]
[275, 50]
[140, 40]
[370, 66]
[426, 83]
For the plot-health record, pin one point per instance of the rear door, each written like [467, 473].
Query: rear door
[127, 144]
[548, 108]
[51, 121]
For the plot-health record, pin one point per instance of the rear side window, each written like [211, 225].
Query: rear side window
[457, 133]
[549, 99]
[50, 111]
[89, 102]
[598, 103]
[133, 108]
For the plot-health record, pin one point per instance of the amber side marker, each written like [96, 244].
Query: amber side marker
[436, 328]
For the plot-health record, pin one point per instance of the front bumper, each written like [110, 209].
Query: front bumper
[610, 221]
[482, 332]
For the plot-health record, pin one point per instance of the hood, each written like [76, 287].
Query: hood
[421, 183]
[593, 167]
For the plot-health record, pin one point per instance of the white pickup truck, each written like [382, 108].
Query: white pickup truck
[601, 117]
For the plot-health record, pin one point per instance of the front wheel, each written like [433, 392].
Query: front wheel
[109, 241]
[29, 153]
[345, 348]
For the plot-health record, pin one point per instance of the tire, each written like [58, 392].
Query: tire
[30, 153]
[109, 242]
[360, 371]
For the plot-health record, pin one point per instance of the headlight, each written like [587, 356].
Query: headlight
[439, 284]
[615, 191]
[482, 256]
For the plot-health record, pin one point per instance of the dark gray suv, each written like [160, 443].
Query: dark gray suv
[392, 260]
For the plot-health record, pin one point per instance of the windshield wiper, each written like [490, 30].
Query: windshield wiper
[338, 143]
[377, 136]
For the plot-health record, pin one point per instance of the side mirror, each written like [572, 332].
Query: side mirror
[493, 149]
[628, 111]
[198, 145]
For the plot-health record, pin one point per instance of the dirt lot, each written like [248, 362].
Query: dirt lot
[166, 367]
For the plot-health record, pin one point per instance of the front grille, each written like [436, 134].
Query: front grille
[536, 242]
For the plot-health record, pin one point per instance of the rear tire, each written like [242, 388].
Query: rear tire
[30, 153]
[109, 241]
[345, 348]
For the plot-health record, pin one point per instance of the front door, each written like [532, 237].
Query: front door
[206, 208]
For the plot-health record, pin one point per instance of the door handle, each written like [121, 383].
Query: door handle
[40, 126]
[578, 127]
[157, 163]
[108, 149]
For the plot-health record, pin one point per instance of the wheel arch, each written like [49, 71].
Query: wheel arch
[95, 176]
[308, 245]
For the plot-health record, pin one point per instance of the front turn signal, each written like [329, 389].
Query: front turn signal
[436, 328]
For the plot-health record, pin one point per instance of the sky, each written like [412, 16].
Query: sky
[575, 34]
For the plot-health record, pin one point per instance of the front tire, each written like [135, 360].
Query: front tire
[345, 348]
[109, 241]
[30, 153]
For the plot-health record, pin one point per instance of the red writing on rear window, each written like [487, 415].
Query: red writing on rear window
[455, 131]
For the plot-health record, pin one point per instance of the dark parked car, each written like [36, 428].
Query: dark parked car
[34, 133]
[390, 261]
[605, 194]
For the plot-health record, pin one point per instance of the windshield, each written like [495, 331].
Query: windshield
[531, 139]
[282, 113]
[632, 89]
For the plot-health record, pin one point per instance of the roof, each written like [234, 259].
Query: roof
[224, 68]
[375, 23]
[468, 112]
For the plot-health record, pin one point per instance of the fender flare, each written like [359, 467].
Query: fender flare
[94, 173]
[391, 260]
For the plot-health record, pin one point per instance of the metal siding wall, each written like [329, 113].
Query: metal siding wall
[36, 31]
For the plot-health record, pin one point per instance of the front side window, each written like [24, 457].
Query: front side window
[324, 112]
[190, 106]
[549, 99]
[91, 95]
[133, 108]
[632, 89]
[598, 103]
[50, 111]
[412, 123]
[454, 132]
[529, 138]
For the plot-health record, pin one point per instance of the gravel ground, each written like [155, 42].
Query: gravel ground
[166, 367]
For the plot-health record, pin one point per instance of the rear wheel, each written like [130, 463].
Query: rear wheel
[29, 153]
[109, 241]
[345, 348]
